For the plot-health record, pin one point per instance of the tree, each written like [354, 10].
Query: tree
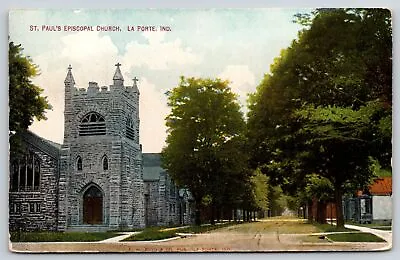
[340, 62]
[205, 149]
[340, 146]
[260, 190]
[25, 100]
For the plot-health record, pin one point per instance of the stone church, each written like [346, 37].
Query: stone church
[98, 179]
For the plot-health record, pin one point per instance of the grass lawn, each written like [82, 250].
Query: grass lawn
[152, 233]
[355, 237]
[60, 236]
[330, 228]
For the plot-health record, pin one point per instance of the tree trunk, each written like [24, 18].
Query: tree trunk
[310, 214]
[321, 212]
[197, 219]
[339, 208]
[212, 217]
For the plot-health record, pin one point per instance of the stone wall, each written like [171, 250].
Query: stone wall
[168, 201]
[151, 202]
[37, 210]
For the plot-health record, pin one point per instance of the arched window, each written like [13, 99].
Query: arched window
[105, 163]
[79, 163]
[130, 132]
[92, 124]
[25, 173]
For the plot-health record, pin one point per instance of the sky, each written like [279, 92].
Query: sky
[234, 44]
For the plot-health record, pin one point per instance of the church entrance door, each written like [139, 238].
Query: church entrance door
[93, 206]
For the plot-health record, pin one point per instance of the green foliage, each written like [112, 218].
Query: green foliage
[60, 236]
[377, 169]
[277, 200]
[25, 100]
[318, 187]
[260, 190]
[205, 149]
[325, 106]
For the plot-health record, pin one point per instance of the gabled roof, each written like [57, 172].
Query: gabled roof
[47, 146]
[381, 186]
[152, 166]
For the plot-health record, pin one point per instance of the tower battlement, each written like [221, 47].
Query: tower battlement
[94, 89]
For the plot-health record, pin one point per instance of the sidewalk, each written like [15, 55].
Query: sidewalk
[119, 238]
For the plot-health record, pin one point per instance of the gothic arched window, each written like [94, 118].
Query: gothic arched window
[25, 173]
[130, 132]
[79, 163]
[105, 163]
[92, 124]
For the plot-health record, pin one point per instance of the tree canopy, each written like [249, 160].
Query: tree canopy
[205, 149]
[25, 100]
[325, 107]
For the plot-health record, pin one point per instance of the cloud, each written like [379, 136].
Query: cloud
[159, 54]
[92, 57]
[242, 80]
[153, 110]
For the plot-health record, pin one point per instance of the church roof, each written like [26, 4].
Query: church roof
[152, 166]
[49, 147]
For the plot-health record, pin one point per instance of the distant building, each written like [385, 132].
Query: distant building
[373, 205]
[98, 178]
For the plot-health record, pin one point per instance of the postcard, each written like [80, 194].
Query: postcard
[200, 130]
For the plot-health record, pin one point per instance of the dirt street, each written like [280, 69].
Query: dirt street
[262, 237]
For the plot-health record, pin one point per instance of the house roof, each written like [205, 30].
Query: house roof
[381, 186]
[152, 166]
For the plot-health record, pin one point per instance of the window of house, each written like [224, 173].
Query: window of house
[130, 132]
[25, 173]
[79, 163]
[105, 163]
[92, 124]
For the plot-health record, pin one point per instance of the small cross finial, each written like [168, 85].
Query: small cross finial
[69, 67]
[118, 64]
[135, 80]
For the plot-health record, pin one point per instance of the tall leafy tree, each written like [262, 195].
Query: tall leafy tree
[260, 191]
[205, 149]
[340, 62]
[25, 100]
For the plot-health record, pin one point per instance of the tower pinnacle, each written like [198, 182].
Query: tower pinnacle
[118, 78]
[69, 78]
